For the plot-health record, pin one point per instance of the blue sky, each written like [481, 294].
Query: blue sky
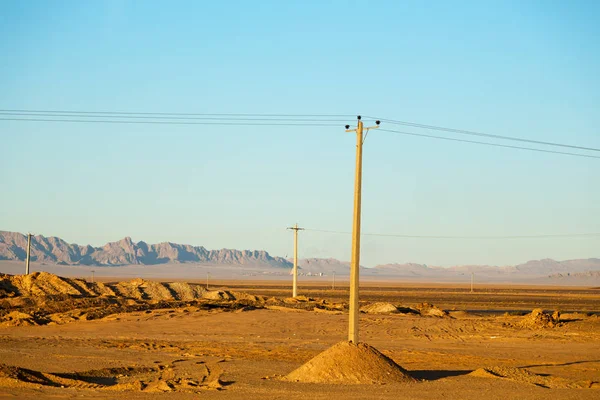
[526, 69]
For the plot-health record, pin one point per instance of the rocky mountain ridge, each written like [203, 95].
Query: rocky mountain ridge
[13, 246]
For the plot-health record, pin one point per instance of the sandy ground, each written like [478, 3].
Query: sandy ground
[188, 352]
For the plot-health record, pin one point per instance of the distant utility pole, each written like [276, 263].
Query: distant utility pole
[93, 276]
[28, 254]
[333, 284]
[295, 279]
[355, 262]
[207, 276]
[472, 275]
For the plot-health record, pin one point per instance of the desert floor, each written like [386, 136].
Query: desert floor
[242, 352]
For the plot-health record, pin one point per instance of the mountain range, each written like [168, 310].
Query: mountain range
[53, 250]
[546, 269]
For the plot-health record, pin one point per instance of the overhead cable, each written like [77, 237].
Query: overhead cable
[550, 236]
[473, 133]
[489, 144]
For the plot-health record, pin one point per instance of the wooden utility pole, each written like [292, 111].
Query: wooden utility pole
[295, 271]
[28, 254]
[355, 261]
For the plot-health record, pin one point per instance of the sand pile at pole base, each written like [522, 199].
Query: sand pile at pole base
[538, 319]
[379, 308]
[349, 363]
[525, 376]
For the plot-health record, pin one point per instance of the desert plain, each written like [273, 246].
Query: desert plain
[66, 338]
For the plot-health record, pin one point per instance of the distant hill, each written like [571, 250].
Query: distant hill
[548, 266]
[125, 252]
[53, 250]
[529, 271]
[537, 271]
[324, 265]
[407, 270]
[586, 274]
[575, 278]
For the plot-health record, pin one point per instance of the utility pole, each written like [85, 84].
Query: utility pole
[28, 254]
[207, 275]
[93, 275]
[472, 275]
[295, 272]
[333, 285]
[355, 261]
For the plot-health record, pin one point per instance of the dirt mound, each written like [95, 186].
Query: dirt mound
[429, 310]
[525, 376]
[185, 291]
[349, 363]
[240, 296]
[327, 311]
[99, 379]
[141, 289]
[43, 284]
[538, 319]
[7, 288]
[273, 301]
[459, 314]
[379, 308]
[179, 376]
[218, 295]
[17, 318]
[15, 376]
[298, 299]
[100, 289]
[42, 298]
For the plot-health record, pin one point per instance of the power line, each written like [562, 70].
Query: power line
[568, 235]
[256, 119]
[191, 114]
[473, 133]
[207, 118]
[489, 144]
[166, 122]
